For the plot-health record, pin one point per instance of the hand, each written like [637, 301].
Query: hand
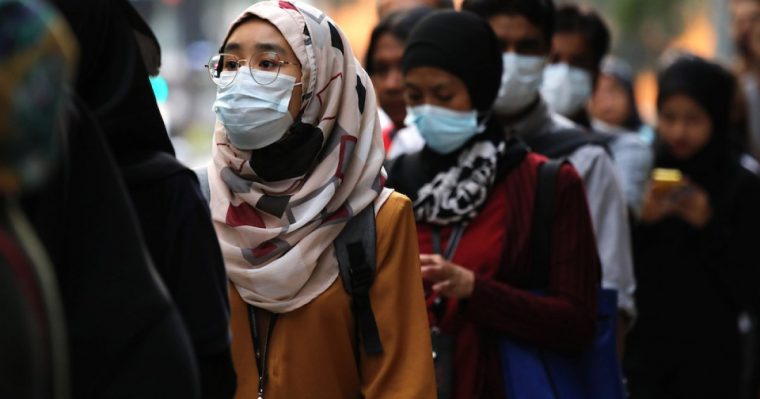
[693, 206]
[448, 279]
[657, 204]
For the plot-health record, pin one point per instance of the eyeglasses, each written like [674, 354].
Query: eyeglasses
[264, 68]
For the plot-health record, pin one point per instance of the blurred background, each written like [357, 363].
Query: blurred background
[191, 30]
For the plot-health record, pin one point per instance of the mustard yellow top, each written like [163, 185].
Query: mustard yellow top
[311, 352]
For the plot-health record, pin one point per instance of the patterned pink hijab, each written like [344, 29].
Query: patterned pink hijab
[277, 237]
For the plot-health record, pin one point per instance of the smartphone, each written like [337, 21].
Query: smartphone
[663, 178]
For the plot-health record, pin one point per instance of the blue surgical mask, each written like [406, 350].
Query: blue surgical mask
[444, 130]
[255, 115]
[566, 89]
[520, 81]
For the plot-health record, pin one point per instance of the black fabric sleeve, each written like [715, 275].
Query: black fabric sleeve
[179, 231]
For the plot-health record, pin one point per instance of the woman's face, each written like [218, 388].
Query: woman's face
[683, 125]
[434, 86]
[387, 77]
[610, 102]
[257, 36]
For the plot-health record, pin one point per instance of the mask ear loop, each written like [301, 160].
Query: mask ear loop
[483, 118]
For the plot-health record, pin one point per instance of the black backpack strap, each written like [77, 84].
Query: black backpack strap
[562, 143]
[355, 250]
[543, 215]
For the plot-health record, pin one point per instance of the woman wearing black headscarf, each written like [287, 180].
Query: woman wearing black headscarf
[473, 193]
[696, 262]
[172, 214]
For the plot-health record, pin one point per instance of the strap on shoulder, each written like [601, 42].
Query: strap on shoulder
[562, 143]
[543, 216]
[355, 250]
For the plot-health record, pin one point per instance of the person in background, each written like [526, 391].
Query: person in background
[695, 248]
[171, 210]
[750, 84]
[525, 29]
[612, 106]
[746, 36]
[38, 65]
[125, 336]
[613, 113]
[297, 159]
[472, 188]
[388, 7]
[383, 64]
[581, 40]
[744, 13]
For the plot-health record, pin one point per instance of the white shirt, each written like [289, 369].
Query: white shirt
[606, 200]
[633, 159]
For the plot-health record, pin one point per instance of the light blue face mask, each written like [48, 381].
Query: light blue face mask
[255, 115]
[444, 130]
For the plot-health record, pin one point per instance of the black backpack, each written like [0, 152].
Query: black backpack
[355, 250]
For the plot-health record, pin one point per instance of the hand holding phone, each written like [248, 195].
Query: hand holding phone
[671, 193]
[659, 200]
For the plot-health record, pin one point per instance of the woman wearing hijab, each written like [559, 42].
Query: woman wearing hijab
[297, 157]
[695, 249]
[613, 105]
[473, 192]
[613, 112]
[383, 63]
[168, 208]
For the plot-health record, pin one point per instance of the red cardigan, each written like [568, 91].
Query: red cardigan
[563, 320]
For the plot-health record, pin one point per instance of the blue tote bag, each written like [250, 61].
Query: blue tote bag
[533, 373]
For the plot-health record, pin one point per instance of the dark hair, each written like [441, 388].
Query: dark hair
[539, 12]
[571, 18]
[398, 24]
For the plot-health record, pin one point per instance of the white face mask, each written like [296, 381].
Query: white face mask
[566, 89]
[520, 81]
[255, 115]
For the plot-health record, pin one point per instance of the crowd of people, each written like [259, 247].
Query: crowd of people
[392, 228]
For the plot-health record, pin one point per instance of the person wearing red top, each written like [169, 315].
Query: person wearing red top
[473, 192]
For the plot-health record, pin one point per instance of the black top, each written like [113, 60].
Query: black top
[117, 313]
[181, 239]
[170, 209]
[698, 280]
[691, 287]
